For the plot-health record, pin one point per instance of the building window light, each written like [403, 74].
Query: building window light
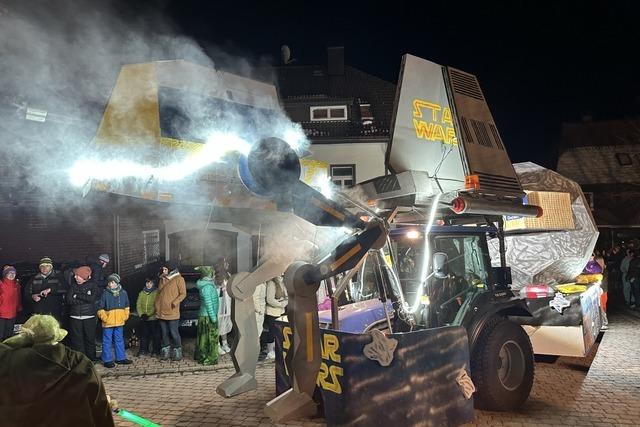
[328, 113]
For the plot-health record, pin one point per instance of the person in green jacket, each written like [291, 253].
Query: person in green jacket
[148, 328]
[206, 351]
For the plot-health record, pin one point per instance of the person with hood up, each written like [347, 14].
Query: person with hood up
[113, 310]
[206, 351]
[148, 328]
[46, 290]
[10, 301]
[81, 298]
[45, 383]
[171, 291]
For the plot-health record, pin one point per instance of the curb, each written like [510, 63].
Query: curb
[177, 370]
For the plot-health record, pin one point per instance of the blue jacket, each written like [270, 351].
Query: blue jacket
[113, 310]
[208, 299]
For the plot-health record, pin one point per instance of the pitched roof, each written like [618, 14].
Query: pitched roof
[600, 133]
[311, 84]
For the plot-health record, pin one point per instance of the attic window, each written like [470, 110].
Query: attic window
[624, 159]
[328, 113]
[365, 112]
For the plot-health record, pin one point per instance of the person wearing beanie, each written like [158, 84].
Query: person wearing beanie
[10, 301]
[45, 383]
[148, 328]
[206, 351]
[46, 290]
[81, 298]
[113, 311]
[172, 289]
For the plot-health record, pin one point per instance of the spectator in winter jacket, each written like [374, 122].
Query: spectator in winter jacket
[81, 299]
[113, 311]
[206, 351]
[627, 289]
[634, 277]
[98, 268]
[46, 290]
[45, 383]
[171, 291]
[10, 301]
[148, 328]
[276, 302]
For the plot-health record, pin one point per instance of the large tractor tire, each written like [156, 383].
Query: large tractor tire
[502, 366]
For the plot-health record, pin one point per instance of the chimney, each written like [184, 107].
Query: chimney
[335, 61]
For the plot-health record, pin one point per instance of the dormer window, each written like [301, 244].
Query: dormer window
[328, 113]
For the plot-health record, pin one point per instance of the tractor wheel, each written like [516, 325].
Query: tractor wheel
[502, 366]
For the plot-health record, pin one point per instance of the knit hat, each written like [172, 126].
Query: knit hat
[38, 329]
[8, 269]
[45, 261]
[84, 272]
[104, 258]
[114, 278]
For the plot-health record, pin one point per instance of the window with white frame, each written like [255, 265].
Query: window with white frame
[328, 113]
[151, 241]
[343, 176]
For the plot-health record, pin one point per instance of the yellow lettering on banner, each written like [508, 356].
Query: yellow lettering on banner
[328, 378]
[446, 116]
[330, 348]
[419, 104]
[286, 337]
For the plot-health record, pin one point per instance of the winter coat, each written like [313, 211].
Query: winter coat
[146, 304]
[171, 291]
[634, 271]
[275, 308]
[260, 304]
[208, 299]
[10, 298]
[52, 303]
[113, 309]
[50, 385]
[82, 298]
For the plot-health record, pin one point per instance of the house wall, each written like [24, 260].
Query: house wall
[367, 156]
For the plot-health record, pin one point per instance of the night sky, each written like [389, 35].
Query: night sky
[538, 64]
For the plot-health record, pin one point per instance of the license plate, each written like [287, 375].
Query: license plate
[191, 322]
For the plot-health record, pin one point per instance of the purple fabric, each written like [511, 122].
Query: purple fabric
[592, 268]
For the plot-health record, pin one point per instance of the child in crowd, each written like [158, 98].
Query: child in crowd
[224, 311]
[148, 328]
[10, 301]
[206, 351]
[113, 310]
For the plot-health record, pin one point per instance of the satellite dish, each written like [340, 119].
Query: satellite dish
[286, 54]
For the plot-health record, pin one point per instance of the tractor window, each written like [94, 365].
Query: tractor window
[466, 274]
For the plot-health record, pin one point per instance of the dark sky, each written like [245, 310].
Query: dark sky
[539, 63]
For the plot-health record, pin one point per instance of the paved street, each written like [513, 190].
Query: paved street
[566, 392]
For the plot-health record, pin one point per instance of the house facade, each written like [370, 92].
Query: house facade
[604, 158]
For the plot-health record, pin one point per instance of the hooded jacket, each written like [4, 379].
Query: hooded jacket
[10, 298]
[113, 308]
[276, 307]
[50, 385]
[209, 299]
[146, 303]
[171, 291]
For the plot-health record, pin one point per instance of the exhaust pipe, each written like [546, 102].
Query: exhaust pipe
[465, 205]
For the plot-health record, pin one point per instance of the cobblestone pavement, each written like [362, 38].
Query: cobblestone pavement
[566, 392]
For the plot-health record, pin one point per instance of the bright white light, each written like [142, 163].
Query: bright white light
[427, 254]
[295, 137]
[413, 234]
[217, 146]
[326, 187]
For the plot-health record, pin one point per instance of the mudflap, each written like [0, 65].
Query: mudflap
[426, 380]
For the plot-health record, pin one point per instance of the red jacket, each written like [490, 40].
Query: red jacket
[10, 302]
